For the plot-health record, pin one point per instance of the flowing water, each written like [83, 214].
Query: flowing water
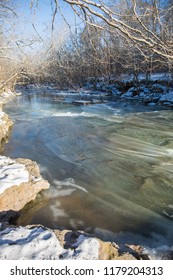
[110, 166]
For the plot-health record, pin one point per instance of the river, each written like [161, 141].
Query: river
[110, 166]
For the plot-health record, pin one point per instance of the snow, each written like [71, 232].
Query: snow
[36, 243]
[153, 77]
[7, 94]
[2, 114]
[129, 93]
[154, 95]
[86, 248]
[167, 97]
[22, 243]
[11, 173]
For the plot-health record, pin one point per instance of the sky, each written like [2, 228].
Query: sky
[35, 24]
[42, 11]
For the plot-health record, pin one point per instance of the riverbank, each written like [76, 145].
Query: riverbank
[36, 240]
[158, 90]
[5, 122]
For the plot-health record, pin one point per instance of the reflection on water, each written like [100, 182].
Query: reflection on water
[110, 166]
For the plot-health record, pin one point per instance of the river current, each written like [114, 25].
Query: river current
[110, 166]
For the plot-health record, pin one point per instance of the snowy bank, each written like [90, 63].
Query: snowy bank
[20, 182]
[157, 91]
[6, 96]
[5, 126]
[5, 122]
[40, 243]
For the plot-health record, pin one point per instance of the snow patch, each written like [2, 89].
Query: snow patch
[2, 114]
[41, 243]
[85, 248]
[37, 243]
[11, 173]
[167, 97]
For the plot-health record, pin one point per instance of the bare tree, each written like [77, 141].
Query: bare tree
[158, 41]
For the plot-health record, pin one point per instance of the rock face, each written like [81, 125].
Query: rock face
[20, 182]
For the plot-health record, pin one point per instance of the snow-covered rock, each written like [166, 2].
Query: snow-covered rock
[5, 122]
[40, 243]
[168, 97]
[131, 93]
[36, 242]
[26, 243]
[5, 125]
[20, 179]
[6, 96]
[20, 182]
[11, 173]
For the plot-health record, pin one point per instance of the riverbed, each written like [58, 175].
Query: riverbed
[110, 165]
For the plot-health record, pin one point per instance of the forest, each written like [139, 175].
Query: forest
[115, 37]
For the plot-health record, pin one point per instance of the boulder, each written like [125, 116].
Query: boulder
[20, 182]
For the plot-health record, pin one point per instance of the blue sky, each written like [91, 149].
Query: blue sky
[42, 11]
[40, 16]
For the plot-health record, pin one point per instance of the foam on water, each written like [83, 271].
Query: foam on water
[69, 182]
[73, 115]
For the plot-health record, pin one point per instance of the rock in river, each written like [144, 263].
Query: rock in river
[20, 182]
